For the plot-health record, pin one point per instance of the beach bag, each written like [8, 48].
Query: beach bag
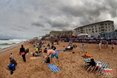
[22, 53]
[47, 60]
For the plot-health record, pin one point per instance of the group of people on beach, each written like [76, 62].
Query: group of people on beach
[105, 45]
[51, 52]
[12, 65]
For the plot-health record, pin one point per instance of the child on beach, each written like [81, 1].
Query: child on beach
[12, 65]
[23, 53]
[11, 55]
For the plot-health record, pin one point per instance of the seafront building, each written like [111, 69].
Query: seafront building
[109, 35]
[61, 33]
[95, 29]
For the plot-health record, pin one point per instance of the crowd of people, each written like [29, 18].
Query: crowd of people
[50, 51]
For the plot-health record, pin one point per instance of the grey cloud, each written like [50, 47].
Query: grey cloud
[46, 29]
[60, 24]
[57, 24]
[19, 16]
[38, 24]
[89, 12]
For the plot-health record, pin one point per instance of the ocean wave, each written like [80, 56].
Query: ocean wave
[7, 43]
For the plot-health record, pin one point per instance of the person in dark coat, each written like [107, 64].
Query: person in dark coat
[23, 53]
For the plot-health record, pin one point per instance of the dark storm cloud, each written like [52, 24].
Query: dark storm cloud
[38, 24]
[22, 17]
[58, 24]
[113, 7]
[89, 12]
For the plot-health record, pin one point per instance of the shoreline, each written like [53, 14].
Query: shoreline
[11, 47]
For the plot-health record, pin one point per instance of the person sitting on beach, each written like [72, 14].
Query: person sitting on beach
[23, 53]
[53, 47]
[36, 49]
[69, 47]
[74, 45]
[48, 45]
[12, 65]
[57, 42]
[37, 53]
[70, 42]
[91, 65]
[45, 50]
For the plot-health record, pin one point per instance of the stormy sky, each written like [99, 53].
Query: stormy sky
[30, 18]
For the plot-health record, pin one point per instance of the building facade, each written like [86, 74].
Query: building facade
[109, 35]
[61, 33]
[96, 28]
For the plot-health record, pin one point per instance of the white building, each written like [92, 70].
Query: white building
[96, 28]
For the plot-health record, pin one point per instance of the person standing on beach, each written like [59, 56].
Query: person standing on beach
[52, 53]
[12, 65]
[83, 47]
[106, 44]
[11, 55]
[22, 52]
[100, 45]
[112, 47]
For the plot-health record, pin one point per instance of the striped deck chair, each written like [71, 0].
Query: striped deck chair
[101, 65]
[108, 73]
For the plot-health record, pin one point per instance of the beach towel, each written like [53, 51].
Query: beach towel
[87, 55]
[53, 68]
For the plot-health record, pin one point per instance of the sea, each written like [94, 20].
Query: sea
[10, 42]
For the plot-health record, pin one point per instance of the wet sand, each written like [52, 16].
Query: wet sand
[71, 65]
